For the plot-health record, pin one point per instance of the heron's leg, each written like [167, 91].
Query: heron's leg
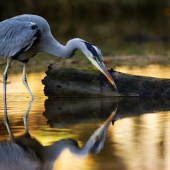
[9, 131]
[4, 84]
[24, 79]
[26, 116]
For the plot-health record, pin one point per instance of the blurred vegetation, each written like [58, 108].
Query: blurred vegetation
[105, 23]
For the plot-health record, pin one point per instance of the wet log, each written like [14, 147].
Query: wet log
[77, 82]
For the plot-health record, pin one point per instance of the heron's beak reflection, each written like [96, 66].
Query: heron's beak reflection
[103, 129]
[109, 120]
[96, 141]
[107, 74]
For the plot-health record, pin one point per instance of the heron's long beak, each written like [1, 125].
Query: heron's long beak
[107, 74]
[105, 126]
[110, 119]
[99, 134]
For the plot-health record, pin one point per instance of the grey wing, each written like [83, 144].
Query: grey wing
[16, 36]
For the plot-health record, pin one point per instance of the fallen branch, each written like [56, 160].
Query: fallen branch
[71, 82]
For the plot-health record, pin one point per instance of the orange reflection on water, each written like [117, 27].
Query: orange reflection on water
[15, 87]
[136, 143]
[70, 161]
[144, 142]
[151, 71]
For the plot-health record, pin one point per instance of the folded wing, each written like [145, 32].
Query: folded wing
[17, 36]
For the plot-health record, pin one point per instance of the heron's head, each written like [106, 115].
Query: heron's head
[93, 53]
[96, 141]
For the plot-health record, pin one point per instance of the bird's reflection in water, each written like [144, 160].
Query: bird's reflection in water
[25, 152]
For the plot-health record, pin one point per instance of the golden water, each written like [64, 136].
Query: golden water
[139, 143]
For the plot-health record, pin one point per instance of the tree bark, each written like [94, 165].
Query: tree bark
[71, 82]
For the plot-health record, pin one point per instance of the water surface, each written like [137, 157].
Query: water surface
[139, 138]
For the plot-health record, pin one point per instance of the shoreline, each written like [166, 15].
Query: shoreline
[42, 61]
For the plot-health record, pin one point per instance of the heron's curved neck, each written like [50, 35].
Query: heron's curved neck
[51, 152]
[53, 47]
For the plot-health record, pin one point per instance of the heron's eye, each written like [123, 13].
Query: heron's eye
[94, 58]
[97, 137]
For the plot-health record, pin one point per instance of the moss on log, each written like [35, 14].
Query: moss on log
[71, 82]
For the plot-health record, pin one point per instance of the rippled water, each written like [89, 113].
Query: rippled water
[139, 138]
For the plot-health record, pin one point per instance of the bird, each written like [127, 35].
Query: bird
[23, 36]
[26, 152]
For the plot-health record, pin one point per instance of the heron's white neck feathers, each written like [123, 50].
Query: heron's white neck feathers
[51, 46]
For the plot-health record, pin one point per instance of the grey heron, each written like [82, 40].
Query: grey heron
[23, 36]
[25, 152]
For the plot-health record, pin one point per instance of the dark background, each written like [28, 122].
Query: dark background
[116, 26]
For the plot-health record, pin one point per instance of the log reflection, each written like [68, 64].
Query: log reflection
[64, 111]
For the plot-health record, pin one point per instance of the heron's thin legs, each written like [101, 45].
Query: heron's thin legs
[4, 84]
[9, 131]
[26, 116]
[5, 106]
[24, 80]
